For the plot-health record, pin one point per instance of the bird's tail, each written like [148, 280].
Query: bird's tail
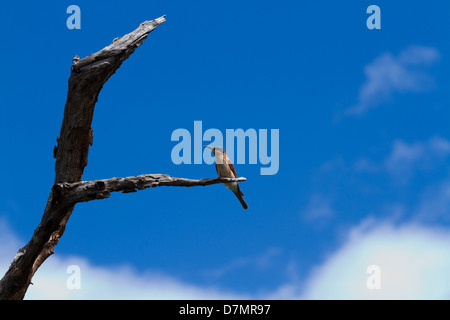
[239, 194]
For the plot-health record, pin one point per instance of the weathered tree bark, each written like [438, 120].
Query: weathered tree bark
[87, 78]
[83, 191]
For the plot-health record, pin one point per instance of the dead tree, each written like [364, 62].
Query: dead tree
[87, 78]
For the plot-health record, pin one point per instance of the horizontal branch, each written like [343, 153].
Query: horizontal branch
[83, 191]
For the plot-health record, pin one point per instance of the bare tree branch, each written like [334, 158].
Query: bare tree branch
[87, 78]
[83, 191]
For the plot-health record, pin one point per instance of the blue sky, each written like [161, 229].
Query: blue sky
[363, 117]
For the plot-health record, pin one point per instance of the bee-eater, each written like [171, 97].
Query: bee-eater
[225, 168]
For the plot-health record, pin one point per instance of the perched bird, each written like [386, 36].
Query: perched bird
[225, 168]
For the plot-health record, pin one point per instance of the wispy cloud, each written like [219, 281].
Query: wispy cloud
[318, 208]
[406, 158]
[389, 74]
[261, 261]
[434, 205]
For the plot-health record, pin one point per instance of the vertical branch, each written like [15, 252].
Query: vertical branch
[87, 78]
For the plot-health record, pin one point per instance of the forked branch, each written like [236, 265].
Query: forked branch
[87, 78]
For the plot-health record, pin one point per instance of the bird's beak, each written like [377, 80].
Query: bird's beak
[207, 147]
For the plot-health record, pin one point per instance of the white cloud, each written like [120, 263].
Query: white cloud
[113, 283]
[123, 282]
[97, 282]
[413, 261]
[390, 74]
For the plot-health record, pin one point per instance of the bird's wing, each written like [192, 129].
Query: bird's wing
[217, 169]
[232, 169]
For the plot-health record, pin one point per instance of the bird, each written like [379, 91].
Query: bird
[225, 168]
